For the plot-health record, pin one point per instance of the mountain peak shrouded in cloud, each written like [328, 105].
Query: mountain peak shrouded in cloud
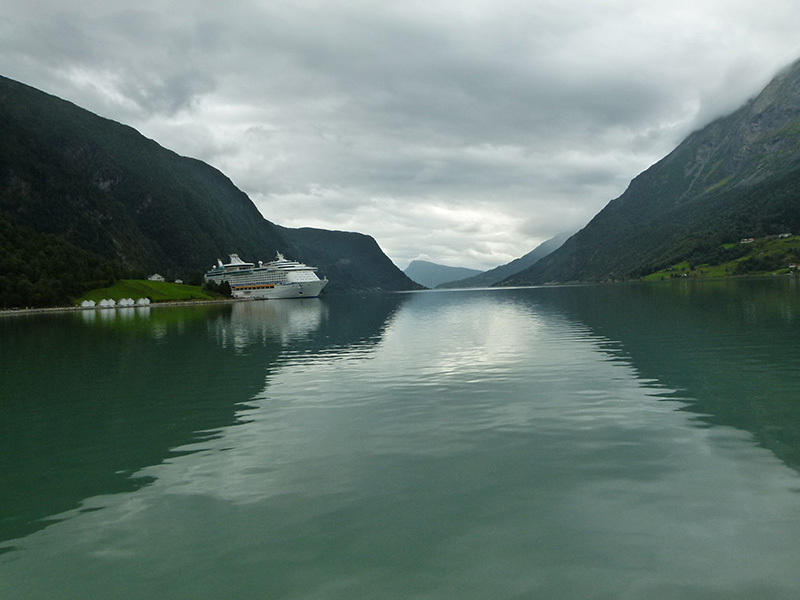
[487, 127]
[737, 178]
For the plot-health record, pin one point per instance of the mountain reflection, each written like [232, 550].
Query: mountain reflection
[729, 348]
[91, 398]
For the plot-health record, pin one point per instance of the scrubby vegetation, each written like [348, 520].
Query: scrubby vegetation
[763, 256]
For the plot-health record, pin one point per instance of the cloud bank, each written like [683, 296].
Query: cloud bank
[467, 131]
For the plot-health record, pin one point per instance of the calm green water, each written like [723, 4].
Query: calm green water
[636, 441]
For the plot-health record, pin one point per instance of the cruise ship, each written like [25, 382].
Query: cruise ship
[280, 278]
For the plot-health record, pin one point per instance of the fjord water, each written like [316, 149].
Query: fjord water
[626, 441]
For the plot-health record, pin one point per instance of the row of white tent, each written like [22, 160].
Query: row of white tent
[110, 303]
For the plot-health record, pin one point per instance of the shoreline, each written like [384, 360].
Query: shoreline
[7, 312]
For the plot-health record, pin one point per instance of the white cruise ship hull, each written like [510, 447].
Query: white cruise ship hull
[304, 289]
[280, 278]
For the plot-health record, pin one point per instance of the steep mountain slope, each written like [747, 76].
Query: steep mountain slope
[103, 187]
[78, 185]
[351, 261]
[498, 274]
[431, 274]
[738, 177]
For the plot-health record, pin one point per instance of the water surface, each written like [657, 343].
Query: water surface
[580, 442]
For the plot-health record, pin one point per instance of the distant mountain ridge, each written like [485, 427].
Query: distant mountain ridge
[84, 199]
[738, 177]
[432, 275]
[498, 274]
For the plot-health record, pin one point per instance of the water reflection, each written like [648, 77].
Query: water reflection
[112, 314]
[728, 348]
[471, 445]
[258, 323]
[91, 398]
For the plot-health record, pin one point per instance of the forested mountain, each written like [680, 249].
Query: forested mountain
[84, 199]
[738, 177]
[493, 276]
[351, 261]
[431, 274]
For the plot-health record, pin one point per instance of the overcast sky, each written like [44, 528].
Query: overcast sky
[463, 132]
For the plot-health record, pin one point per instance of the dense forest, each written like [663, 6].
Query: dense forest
[40, 270]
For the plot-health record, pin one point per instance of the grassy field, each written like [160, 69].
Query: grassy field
[157, 291]
[764, 256]
[705, 270]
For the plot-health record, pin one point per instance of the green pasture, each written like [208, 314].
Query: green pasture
[764, 256]
[157, 291]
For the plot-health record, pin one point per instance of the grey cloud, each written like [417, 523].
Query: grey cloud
[466, 131]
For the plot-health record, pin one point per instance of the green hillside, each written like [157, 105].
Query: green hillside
[764, 256]
[39, 269]
[97, 200]
[739, 177]
[350, 261]
[107, 189]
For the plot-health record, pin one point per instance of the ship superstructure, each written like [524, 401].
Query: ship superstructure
[280, 278]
